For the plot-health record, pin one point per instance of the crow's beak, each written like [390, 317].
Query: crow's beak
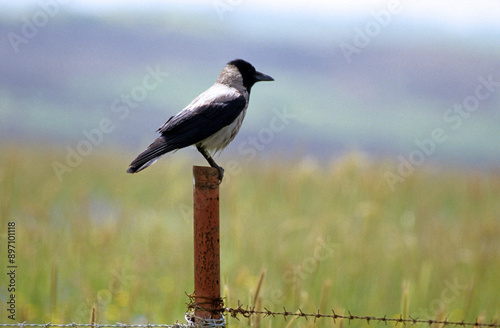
[262, 77]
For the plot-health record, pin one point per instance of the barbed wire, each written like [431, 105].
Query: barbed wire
[248, 312]
[95, 325]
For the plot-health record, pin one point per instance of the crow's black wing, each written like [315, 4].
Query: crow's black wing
[192, 125]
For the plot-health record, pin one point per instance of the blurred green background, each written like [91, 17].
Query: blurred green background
[376, 193]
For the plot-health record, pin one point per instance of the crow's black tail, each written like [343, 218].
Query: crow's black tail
[148, 157]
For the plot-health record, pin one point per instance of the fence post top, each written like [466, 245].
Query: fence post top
[206, 177]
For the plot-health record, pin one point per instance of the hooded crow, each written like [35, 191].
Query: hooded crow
[210, 121]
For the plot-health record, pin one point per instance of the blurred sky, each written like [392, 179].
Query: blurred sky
[454, 13]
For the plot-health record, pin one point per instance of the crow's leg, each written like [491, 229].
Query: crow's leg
[211, 161]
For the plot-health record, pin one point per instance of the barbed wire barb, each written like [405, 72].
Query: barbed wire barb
[334, 316]
[301, 314]
[269, 313]
[285, 313]
[413, 320]
[316, 317]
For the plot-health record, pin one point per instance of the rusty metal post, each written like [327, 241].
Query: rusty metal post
[206, 242]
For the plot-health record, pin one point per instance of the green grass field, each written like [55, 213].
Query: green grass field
[330, 237]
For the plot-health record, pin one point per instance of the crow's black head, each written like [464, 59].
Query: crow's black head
[249, 74]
